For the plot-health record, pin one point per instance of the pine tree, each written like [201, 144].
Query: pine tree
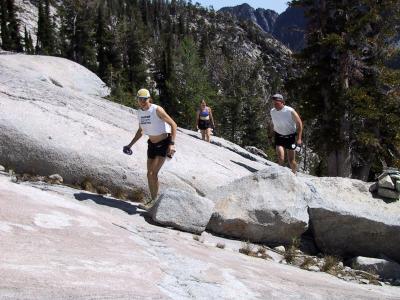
[173, 7]
[5, 37]
[50, 39]
[345, 89]
[254, 109]
[241, 110]
[144, 8]
[45, 34]
[10, 35]
[101, 41]
[189, 83]
[77, 32]
[28, 42]
[204, 45]
[13, 27]
[41, 33]
[136, 46]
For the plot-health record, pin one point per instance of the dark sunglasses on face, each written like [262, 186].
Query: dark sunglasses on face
[142, 99]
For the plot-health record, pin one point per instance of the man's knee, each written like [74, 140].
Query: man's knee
[151, 175]
[280, 154]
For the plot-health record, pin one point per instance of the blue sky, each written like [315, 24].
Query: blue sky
[277, 5]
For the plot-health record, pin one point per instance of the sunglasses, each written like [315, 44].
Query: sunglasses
[142, 99]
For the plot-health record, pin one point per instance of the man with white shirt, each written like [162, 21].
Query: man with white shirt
[288, 130]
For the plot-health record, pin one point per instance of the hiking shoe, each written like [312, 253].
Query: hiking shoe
[147, 205]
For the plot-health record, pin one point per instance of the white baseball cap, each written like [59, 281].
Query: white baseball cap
[277, 96]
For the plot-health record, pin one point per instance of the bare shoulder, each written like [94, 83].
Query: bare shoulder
[160, 110]
[294, 111]
[295, 114]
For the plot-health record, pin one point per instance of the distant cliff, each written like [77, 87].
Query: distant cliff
[287, 27]
[264, 18]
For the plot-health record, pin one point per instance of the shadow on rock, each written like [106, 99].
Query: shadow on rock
[384, 199]
[252, 170]
[130, 209]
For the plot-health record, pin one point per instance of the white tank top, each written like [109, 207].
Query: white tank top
[283, 121]
[151, 123]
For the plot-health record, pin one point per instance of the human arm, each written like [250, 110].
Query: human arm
[197, 119]
[270, 131]
[299, 127]
[138, 135]
[167, 119]
[211, 118]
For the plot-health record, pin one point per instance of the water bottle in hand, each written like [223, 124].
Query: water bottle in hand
[127, 150]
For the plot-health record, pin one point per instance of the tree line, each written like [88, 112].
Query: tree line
[348, 92]
[342, 85]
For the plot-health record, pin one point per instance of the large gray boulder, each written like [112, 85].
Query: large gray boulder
[182, 210]
[346, 220]
[62, 243]
[269, 206]
[53, 119]
[388, 184]
[384, 268]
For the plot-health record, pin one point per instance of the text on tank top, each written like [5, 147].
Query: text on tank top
[283, 121]
[151, 123]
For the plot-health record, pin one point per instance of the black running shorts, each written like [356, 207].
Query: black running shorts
[158, 149]
[204, 124]
[286, 141]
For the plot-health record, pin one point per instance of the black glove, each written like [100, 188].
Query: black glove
[127, 150]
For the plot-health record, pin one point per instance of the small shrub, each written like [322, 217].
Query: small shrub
[372, 277]
[196, 238]
[265, 256]
[308, 262]
[137, 195]
[370, 274]
[262, 252]
[102, 190]
[87, 185]
[120, 194]
[290, 253]
[246, 249]
[221, 245]
[296, 243]
[331, 264]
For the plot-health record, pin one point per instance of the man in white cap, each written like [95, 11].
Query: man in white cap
[288, 130]
[161, 130]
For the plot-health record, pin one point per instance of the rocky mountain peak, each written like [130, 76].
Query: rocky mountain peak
[287, 27]
[264, 18]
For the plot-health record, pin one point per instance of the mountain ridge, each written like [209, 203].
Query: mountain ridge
[287, 27]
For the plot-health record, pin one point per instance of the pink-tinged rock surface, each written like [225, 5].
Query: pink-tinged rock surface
[60, 243]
